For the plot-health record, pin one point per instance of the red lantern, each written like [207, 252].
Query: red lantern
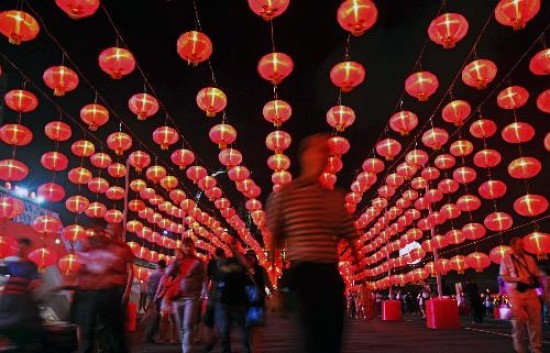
[98, 185]
[58, 131]
[223, 135]
[139, 160]
[461, 148]
[543, 101]
[15, 134]
[143, 105]
[473, 231]
[115, 193]
[478, 261]
[357, 16]
[136, 205]
[406, 170]
[13, 170]
[230, 157]
[327, 180]
[516, 13]
[483, 128]
[21, 100]
[468, 203]
[458, 263]
[278, 141]
[208, 182]
[498, 221]
[447, 186]
[194, 47]
[196, 173]
[448, 29]
[69, 264]
[137, 185]
[275, 67]
[211, 100]
[430, 173]
[10, 207]
[435, 138]
[165, 136]
[277, 112]
[155, 173]
[547, 142]
[281, 177]
[83, 148]
[278, 162]
[464, 175]
[77, 204]
[444, 161]
[78, 9]
[113, 216]
[492, 189]
[417, 158]
[531, 205]
[79, 176]
[119, 142]
[388, 148]
[43, 257]
[419, 183]
[95, 115]
[182, 158]
[537, 243]
[540, 63]
[513, 97]
[499, 252]
[51, 192]
[456, 112]
[487, 158]
[268, 9]
[479, 73]
[338, 145]
[61, 79]
[450, 211]
[518, 132]
[524, 167]
[403, 122]
[96, 210]
[421, 85]
[47, 225]
[18, 26]
[73, 232]
[340, 117]
[347, 75]
[101, 160]
[238, 173]
[117, 62]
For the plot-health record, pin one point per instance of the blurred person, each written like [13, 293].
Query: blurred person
[191, 278]
[423, 295]
[311, 220]
[167, 292]
[20, 320]
[474, 301]
[153, 305]
[523, 276]
[212, 297]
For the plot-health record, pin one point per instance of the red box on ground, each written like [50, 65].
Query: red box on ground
[503, 313]
[442, 313]
[391, 310]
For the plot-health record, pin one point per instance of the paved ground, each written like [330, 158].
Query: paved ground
[376, 336]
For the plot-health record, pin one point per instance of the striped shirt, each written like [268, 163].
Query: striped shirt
[311, 219]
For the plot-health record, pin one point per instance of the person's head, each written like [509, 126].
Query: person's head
[314, 154]
[219, 253]
[114, 231]
[179, 254]
[188, 246]
[24, 245]
[251, 257]
[516, 243]
[161, 265]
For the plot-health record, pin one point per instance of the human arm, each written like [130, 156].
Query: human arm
[508, 273]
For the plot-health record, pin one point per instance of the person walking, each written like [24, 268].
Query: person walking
[311, 220]
[153, 305]
[522, 275]
[475, 303]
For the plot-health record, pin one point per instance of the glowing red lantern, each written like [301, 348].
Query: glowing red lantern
[347, 75]
[327, 180]
[278, 162]
[492, 189]
[531, 205]
[543, 101]
[278, 141]
[421, 85]
[537, 243]
[338, 145]
[73, 232]
[113, 216]
[277, 112]
[155, 173]
[518, 132]
[388, 148]
[79, 176]
[95, 115]
[96, 210]
[447, 186]
[357, 16]
[51, 192]
[43, 257]
[281, 177]
[540, 63]
[139, 160]
[275, 67]
[18, 26]
[83, 148]
[403, 122]
[461, 148]
[406, 170]
[165, 136]
[513, 97]
[223, 135]
[448, 29]
[478, 261]
[479, 73]
[58, 131]
[211, 100]
[208, 182]
[119, 142]
[487, 158]
[516, 13]
[21, 100]
[435, 138]
[230, 157]
[498, 221]
[473, 231]
[464, 175]
[61, 79]
[268, 9]
[196, 173]
[524, 167]
[430, 173]
[483, 128]
[182, 158]
[194, 47]
[143, 105]
[47, 225]
[137, 185]
[101, 160]
[136, 205]
[15, 134]
[98, 185]
[456, 112]
[444, 161]
[458, 263]
[238, 173]
[117, 62]
[213, 193]
[69, 264]
[468, 203]
[13, 170]
[340, 117]
[547, 142]
[115, 193]
[419, 183]
[78, 9]
[499, 252]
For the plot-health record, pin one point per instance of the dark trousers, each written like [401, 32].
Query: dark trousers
[103, 308]
[318, 294]
[154, 320]
[225, 316]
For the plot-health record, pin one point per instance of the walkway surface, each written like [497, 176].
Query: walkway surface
[376, 336]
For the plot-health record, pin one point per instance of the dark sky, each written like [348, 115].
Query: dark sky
[310, 34]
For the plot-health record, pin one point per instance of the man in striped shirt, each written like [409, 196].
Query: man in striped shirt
[311, 220]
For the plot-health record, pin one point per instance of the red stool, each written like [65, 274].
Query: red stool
[442, 313]
[391, 310]
[131, 317]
